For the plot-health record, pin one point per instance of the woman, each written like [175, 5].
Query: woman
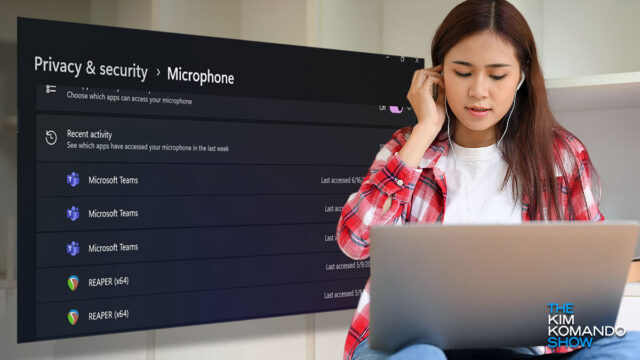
[486, 150]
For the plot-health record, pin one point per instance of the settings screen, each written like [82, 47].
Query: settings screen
[168, 180]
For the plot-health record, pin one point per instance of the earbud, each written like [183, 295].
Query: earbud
[521, 80]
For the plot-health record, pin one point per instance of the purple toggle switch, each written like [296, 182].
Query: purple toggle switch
[396, 109]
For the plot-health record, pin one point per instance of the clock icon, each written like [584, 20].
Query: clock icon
[51, 137]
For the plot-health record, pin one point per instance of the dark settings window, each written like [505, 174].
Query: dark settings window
[169, 180]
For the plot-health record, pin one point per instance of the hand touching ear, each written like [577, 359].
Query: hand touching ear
[430, 113]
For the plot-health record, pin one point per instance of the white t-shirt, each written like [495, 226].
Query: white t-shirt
[473, 181]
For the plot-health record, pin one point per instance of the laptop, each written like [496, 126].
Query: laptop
[488, 286]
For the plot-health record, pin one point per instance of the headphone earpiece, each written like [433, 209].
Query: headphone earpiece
[521, 80]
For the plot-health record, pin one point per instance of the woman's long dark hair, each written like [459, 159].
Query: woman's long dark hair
[528, 146]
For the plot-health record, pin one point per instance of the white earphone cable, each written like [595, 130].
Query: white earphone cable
[497, 144]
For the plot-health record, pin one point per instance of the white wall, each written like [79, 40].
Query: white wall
[584, 37]
[74, 10]
[409, 25]
[349, 25]
[279, 21]
[399, 27]
[8, 147]
[611, 137]
[68, 10]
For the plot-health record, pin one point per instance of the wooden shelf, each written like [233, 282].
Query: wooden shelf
[632, 289]
[634, 272]
[594, 92]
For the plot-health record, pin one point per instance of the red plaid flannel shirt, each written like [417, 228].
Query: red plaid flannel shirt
[394, 193]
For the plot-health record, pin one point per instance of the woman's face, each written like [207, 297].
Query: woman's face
[480, 71]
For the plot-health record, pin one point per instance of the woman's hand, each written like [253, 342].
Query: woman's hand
[430, 114]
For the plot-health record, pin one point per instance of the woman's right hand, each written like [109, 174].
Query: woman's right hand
[430, 113]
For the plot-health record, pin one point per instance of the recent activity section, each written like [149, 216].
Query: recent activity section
[104, 139]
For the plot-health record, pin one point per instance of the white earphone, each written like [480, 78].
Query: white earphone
[521, 80]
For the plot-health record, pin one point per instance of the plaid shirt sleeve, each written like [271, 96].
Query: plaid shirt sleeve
[383, 198]
[583, 202]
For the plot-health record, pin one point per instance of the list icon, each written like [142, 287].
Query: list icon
[73, 179]
[73, 316]
[73, 249]
[73, 214]
[73, 282]
[50, 137]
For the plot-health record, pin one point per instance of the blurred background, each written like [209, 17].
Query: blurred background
[590, 57]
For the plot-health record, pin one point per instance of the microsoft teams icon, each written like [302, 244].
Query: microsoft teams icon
[73, 214]
[73, 179]
[73, 249]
